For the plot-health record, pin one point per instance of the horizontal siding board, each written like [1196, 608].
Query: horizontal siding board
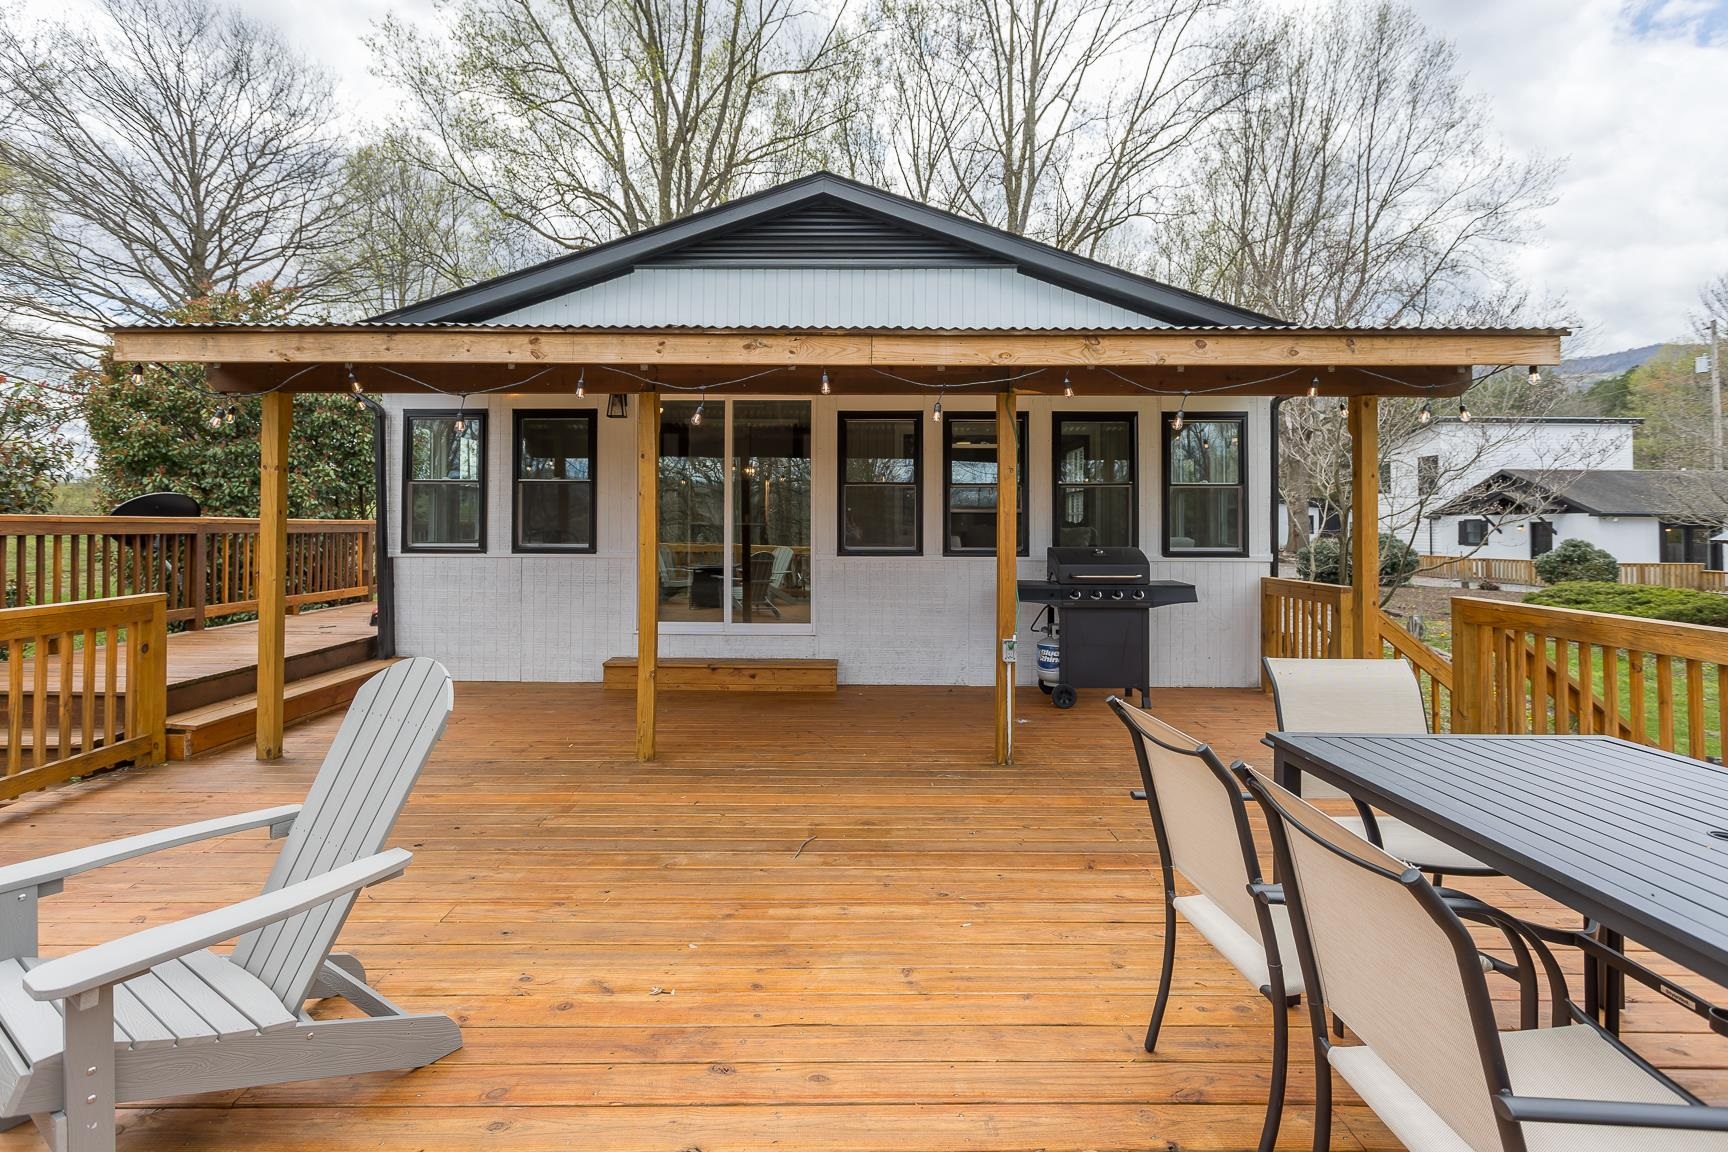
[955, 299]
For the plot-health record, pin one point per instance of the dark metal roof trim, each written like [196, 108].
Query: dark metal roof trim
[1653, 492]
[565, 274]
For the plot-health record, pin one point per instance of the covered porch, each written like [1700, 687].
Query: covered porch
[834, 925]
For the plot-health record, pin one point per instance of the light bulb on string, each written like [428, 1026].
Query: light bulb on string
[825, 389]
[1426, 415]
[1463, 413]
[137, 375]
[696, 416]
[228, 416]
[936, 409]
[1181, 414]
[1343, 406]
[216, 418]
[1535, 374]
[353, 380]
[1067, 387]
[1313, 387]
[581, 382]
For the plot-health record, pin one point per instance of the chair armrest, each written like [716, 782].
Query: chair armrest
[1613, 1113]
[126, 957]
[50, 870]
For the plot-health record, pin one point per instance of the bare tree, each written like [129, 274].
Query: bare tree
[587, 119]
[410, 235]
[169, 151]
[1056, 119]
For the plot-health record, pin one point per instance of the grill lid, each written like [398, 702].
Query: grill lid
[1121, 565]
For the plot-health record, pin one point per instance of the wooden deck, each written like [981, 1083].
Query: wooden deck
[820, 923]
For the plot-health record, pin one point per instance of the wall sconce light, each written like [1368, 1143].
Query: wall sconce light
[617, 405]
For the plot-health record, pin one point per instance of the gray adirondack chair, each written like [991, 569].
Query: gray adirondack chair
[156, 1014]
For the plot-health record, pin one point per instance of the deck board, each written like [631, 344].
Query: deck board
[819, 923]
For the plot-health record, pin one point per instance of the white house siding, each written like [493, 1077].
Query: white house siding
[1629, 539]
[901, 620]
[1471, 453]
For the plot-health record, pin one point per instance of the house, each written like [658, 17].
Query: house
[1640, 516]
[1440, 460]
[770, 430]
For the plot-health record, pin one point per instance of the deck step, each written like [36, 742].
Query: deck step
[699, 674]
[199, 730]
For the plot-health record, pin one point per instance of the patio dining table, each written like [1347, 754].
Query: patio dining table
[1632, 837]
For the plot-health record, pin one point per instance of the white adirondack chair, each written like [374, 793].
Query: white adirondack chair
[156, 1014]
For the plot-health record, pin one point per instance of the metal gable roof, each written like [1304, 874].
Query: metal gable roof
[824, 221]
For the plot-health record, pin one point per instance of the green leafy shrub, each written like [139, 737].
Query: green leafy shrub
[1577, 560]
[1678, 604]
[1320, 560]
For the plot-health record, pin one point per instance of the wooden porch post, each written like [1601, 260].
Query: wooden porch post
[272, 568]
[1365, 525]
[1007, 553]
[647, 567]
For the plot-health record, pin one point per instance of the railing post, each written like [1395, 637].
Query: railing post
[1468, 674]
[1346, 628]
[200, 577]
[150, 681]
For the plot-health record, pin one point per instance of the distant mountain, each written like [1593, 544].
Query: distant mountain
[1585, 369]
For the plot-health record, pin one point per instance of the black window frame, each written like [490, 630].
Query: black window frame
[1132, 419]
[1240, 419]
[409, 416]
[1023, 425]
[1468, 521]
[1427, 476]
[1688, 534]
[516, 480]
[841, 483]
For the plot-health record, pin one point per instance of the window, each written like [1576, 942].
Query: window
[1427, 476]
[554, 499]
[1472, 532]
[1205, 485]
[969, 485]
[1094, 470]
[1385, 475]
[881, 482]
[444, 461]
[1685, 544]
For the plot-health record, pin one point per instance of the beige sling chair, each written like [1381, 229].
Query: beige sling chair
[1364, 696]
[1206, 838]
[1381, 945]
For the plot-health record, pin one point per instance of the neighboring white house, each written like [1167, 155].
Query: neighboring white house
[1639, 516]
[1450, 456]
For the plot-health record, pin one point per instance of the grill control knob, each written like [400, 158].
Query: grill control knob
[1139, 594]
[1074, 595]
[1116, 595]
[1097, 594]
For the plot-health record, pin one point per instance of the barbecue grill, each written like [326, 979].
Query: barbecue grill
[1097, 599]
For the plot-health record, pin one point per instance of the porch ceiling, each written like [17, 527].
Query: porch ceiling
[1258, 361]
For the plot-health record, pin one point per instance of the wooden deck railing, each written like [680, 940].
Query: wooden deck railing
[1694, 576]
[86, 689]
[1304, 619]
[1523, 668]
[1433, 670]
[204, 566]
[1475, 569]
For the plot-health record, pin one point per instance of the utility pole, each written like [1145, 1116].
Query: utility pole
[1715, 399]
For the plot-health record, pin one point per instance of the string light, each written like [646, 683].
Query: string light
[936, 411]
[1313, 387]
[216, 418]
[825, 389]
[1463, 413]
[228, 417]
[1067, 388]
[696, 417]
[1425, 416]
[1343, 406]
[353, 380]
[137, 375]
[581, 382]
[1181, 414]
[1535, 374]
[461, 424]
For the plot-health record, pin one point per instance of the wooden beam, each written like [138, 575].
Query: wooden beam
[1365, 525]
[647, 567]
[1007, 556]
[272, 569]
[1302, 350]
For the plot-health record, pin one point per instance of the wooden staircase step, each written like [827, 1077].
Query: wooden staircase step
[199, 730]
[701, 674]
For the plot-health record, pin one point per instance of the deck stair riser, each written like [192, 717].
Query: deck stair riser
[196, 731]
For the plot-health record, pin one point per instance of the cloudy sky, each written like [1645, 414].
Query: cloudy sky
[1631, 94]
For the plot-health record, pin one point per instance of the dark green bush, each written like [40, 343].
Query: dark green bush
[1577, 560]
[1319, 560]
[1678, 604]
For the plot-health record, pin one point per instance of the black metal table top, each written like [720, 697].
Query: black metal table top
[1632, 836]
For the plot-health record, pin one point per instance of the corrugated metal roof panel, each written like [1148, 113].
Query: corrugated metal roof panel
[953, 299]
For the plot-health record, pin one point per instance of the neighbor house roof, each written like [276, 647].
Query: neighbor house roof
[826, 252]
[1662, 493]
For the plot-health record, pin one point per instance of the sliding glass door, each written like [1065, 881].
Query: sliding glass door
[735, 513]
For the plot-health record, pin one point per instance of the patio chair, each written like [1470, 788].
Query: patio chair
[1207, 839]
[1364, 696]
[1380, 944]
[761, 583]
[155, 1014]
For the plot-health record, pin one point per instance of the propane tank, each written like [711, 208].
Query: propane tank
[1049, 651]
